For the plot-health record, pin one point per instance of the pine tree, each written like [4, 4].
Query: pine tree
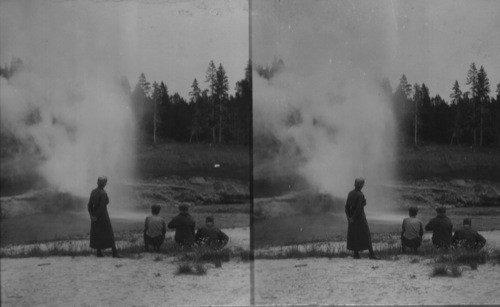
[145, 85]
[457, 105]
[221, 89]
[472, 81]
[195, 101]
[211, 78]
[482, 91]
[155, 97]
[403, 106]
[417, 100]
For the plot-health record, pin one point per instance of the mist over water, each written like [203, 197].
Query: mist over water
[326, 108]
[67, 105]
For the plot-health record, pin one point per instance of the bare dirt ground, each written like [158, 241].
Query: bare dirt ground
[401, 280]
[149, 280]
[146, 279]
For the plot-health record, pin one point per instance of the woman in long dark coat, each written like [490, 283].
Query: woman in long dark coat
[101, 232]
[358, 232]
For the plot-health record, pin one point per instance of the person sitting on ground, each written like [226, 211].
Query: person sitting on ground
[442, 228]
[154, 229]
[184, 226]
[468, 238]
[211, 236]
[412, 233]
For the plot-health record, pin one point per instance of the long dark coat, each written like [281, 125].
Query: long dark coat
[358, 233]
[184, 226]
[101, 232]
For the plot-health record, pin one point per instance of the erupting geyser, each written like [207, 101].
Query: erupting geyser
[66, 105]
[326, 106]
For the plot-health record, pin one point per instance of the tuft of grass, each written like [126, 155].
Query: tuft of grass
[200, 269]
[455, 271]
[204, 254]
[442, 270]
[184, 268]
[246, 255]
[439, 270]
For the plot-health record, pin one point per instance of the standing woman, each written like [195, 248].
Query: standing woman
[101, 232]
[358, 233]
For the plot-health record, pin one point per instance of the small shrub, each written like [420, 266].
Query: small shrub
[218, 263]
[200, 269]
[394, 258]
[415, 260]
[473, 266]
[246, 255]
[212, 255]
[439, 270]
[184, 268]
[455, 271]
[158, 258]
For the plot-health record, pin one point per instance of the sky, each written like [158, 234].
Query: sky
[170, 41]
[431, 42]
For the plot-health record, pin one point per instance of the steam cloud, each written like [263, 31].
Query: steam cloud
[326, 108]
[68, 101]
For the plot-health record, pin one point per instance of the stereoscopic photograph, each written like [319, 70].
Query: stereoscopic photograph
[249, 152]
[376, 152]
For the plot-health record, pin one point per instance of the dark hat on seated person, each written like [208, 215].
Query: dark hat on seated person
[467, 221]
[209, 219]
[183, 208]
[441, 210]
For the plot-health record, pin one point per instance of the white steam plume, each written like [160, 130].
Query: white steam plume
[81, 123]
[327, 107]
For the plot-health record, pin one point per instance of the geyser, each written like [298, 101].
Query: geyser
[326, 107]
[67, 105]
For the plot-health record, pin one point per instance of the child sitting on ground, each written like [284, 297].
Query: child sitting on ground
[154, 229]
[412, 233]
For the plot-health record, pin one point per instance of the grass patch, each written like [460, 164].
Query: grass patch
[246, 255]
[200, 269]
[184, 269]
[455, 271]
[439, 270]
[206, 255]
[442, 270]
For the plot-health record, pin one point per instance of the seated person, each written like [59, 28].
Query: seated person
[442, 228]
[184, 226]
[412, 233]
[154, 229]
[211, 236]
[468, 238]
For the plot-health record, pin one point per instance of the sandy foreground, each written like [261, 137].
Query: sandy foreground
[147, 280]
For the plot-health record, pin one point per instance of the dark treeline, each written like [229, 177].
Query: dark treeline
[209, 115]
[470, 117]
